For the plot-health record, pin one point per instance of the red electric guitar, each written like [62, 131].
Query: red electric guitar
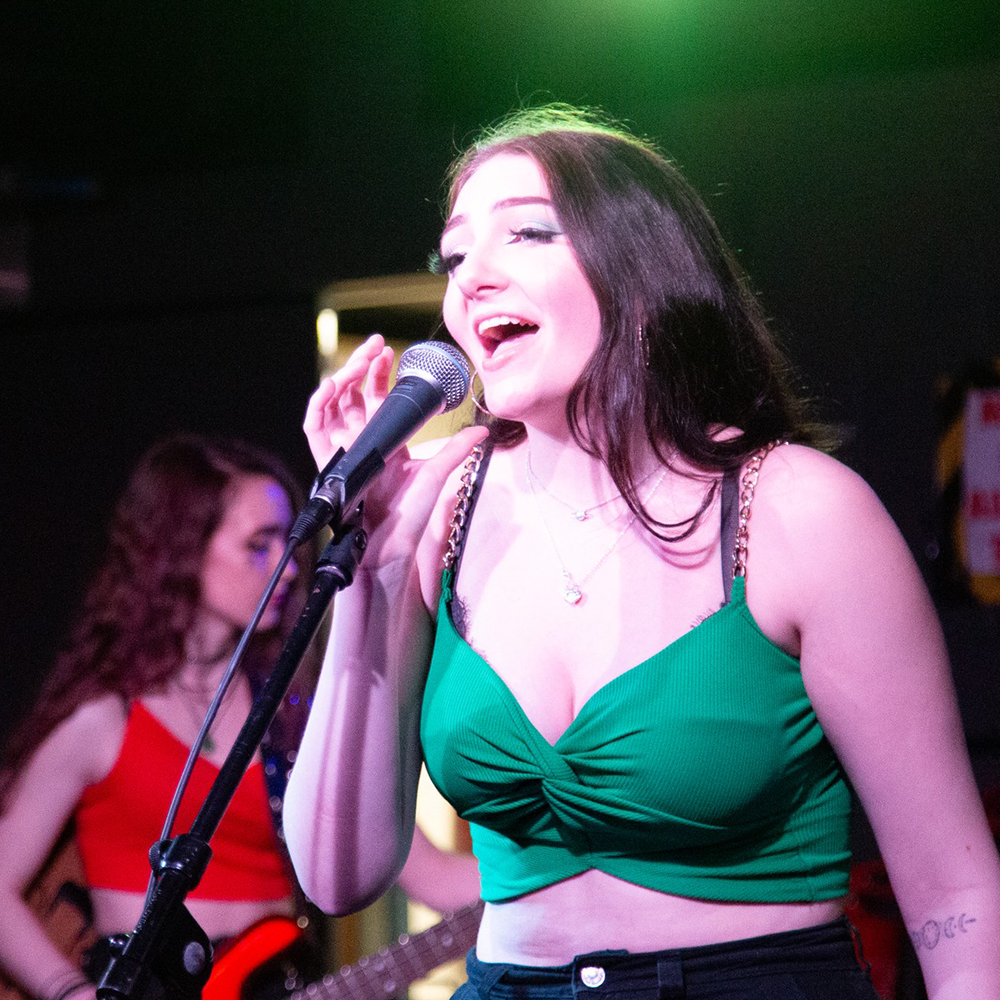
[376, 977]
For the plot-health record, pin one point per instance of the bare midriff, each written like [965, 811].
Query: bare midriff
[116, 911]
[595, 912]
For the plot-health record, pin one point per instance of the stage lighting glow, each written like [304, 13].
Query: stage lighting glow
[327, 332]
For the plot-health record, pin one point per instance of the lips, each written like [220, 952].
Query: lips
[501, 328]
[278, 600]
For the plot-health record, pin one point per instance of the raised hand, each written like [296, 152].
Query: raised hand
[399, 502]
[345, 401]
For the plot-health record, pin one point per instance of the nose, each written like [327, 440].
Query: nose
[291, 570]
[479, 273]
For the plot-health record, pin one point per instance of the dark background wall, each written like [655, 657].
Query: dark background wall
[177, 181]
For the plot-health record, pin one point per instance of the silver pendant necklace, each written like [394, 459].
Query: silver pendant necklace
[208, 744]
[576, 512]
[579, 513]
[572, 587]
[193, 699]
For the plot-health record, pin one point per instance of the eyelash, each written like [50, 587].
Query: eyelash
[437, 264]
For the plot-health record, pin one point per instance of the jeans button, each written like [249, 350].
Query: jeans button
[592, 975]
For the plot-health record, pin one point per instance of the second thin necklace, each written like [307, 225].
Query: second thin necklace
[573, 586]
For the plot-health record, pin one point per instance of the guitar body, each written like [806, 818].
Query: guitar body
[264, 956]
[265, 961]
[236, 964]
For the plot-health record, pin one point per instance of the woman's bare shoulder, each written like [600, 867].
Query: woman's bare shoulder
[816, 531]
[798, 471]
[107, 712]
[808, 495]
[90, 738]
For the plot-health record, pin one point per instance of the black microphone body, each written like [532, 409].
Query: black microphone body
[432, 378]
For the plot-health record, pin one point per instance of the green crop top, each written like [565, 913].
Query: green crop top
[701, 772]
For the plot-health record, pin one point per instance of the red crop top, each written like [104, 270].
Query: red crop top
[119, 818]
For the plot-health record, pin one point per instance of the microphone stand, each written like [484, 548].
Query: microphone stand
[168, 955]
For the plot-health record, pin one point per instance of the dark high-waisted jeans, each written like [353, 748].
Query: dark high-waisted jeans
[818, 963]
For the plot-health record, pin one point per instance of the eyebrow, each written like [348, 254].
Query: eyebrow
[268, 529]
[458, 220]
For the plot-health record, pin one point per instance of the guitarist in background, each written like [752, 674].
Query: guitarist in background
[194, 539]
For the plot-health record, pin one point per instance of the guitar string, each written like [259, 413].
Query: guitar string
[356, 980]
[415, 946]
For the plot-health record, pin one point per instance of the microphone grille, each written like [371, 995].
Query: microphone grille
[440, 362]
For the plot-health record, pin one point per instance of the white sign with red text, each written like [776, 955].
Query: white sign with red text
[981, 481]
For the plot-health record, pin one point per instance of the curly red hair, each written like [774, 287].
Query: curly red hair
[129, 636]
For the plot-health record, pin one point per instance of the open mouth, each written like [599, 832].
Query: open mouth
[500, 329]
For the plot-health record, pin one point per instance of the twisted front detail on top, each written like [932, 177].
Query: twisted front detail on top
[702, 771]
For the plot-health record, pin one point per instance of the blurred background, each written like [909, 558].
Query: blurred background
[179, 184]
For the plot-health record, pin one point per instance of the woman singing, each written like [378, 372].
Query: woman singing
[643, 630]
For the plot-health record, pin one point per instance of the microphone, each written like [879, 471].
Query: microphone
[432, 378]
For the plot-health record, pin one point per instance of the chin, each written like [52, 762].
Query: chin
[269, 623]
[533, 412]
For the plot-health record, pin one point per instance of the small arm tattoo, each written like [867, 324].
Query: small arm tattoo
[934, 932]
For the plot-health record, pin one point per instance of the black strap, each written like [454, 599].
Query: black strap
[727, 535]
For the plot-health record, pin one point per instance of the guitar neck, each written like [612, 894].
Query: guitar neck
[413, 956]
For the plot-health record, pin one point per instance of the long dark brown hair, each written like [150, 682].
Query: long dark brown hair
[685, 349]
[129, 636]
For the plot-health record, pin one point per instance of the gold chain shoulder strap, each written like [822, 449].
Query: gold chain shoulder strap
[748, 484]
[470, 473]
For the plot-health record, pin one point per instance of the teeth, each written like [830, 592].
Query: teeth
[497, 321]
